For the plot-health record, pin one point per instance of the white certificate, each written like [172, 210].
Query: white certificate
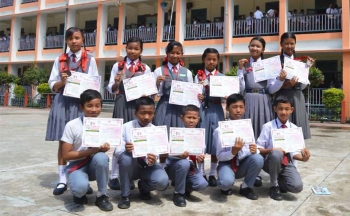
[78, 82]
[298, 69]
[138, 86]
[230, 130]
[288, 139]
[185, 93]
[269, 68]
[97, 131]
[187, 139]
[153, 140]
[223, 86]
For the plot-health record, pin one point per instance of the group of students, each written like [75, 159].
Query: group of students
[241, 160]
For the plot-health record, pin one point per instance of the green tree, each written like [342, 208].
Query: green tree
[34, 76]
[332, 99]
[6, 79]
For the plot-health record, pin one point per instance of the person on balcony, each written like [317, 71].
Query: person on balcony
[258, 15]
[249, 22]
[303, 20]
[330, 12]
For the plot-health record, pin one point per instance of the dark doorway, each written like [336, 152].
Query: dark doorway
[199, 14]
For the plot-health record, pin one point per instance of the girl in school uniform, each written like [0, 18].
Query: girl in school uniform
[212, 111]
[63, 108]
[292, 88]
[131, 66]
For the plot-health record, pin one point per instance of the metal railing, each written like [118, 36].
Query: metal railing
[56, 41]
[6, 3]
[147, 34]
[90, 39]
[28, 1]
[5, 46]
[27, 44]
[315, 23]
[204, 31]
[108, 96]
[315, 96]
[111, 37]
[265, 26]
[168, 32]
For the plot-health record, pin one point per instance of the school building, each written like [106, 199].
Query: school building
[33, 31]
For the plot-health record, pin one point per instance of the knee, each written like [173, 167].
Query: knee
[79, 187]
[162, 182]
[276, 155]
[297, 187]
[225, 181]
[101, 160]
[125, 159]
[201, 184]
[183, 164]
[258, 160]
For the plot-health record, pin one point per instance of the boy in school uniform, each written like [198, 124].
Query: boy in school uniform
[281, 165]
[86, 163]
[241, 160]
[183, 172]
[151, 175]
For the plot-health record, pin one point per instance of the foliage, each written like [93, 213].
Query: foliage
[6, 79]
[43, 88]
[19, 91]
[316, 77]
[34, 76]
[232, 72]
[332, 98]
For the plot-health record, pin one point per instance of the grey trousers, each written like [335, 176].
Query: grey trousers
[179, 171]
[154, 177]
[96, 169]
[249, 168]
[288, 178]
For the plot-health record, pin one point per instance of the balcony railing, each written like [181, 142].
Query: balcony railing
[27, 44]
[315, 23]
[108, 96]
[168, 33]
[148, 34]
[111, 37]
[28, 1]
[90, 39]
[204, 31]
[266, 26]
[56, 41]
[5, 46]
[6, 3]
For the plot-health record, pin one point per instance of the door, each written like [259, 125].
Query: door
[271, 5]
[236, 12]
[90, 26]
[61, 31]
[322, 5]
[199, 14]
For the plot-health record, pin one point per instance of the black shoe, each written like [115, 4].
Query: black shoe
[227, 192]
[258, 181]
[90, 191]
[283, 191]
[248, 193]
[205, 177]
[275, 193]
[103, 203]
[212, 181]
[114, 184]
[179, 200]
[143, 195]
[188, 193]
[59, 191]
[124, 203]
[80, 200]
[132, 185]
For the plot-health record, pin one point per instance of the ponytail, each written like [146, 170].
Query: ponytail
[165, 61]
[65, 48]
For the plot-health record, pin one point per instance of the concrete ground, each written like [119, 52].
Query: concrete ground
[28, 176]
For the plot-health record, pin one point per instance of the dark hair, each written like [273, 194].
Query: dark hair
[170, 48]
[282, 99]
[262, 41]
[209, 50]
[89, 95]
[143, 101]
[234, 98]
[284, 36]
[135, 40]
[69, 33]
[189, 108]
[257, 7]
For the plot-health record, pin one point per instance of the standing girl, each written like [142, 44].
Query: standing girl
[130, 67]
[292, 88]
[212, 111]
[64, 109]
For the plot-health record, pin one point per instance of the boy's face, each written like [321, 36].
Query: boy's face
[283, 111]
[236, 110]
[190, 119]
[145, 114]
[92, 108]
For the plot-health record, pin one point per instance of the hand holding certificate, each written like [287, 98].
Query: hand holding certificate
[185, 93]
[152, 140]
[223, 86]
[288, 139]
[298, 69]
[97, 131]
[230, 130]
[191, 140]
[78, 82]
[267, 69]
[141, 85]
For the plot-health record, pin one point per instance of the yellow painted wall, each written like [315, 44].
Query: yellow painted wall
[54, 20]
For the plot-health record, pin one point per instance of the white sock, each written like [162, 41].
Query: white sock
[62, 176]
[273, 184]
[115, 168]
[212, 169]
[244, 185]
[163, 165]
[201, 168]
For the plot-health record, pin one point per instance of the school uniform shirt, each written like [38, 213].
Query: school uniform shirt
[55, 73]
[271, 13]
[302, 85]
[249, 20]
[258, 14]
[329, 11]
[265, 139]
[115, 70]
[196, 80]
[158, 72]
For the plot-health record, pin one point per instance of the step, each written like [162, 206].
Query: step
[107, 107]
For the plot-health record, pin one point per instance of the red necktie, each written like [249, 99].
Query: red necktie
[285, 160]
[132, 67]
[193, 158]
[234, 164]
[74, 60]
[210, 74]
[175, 69]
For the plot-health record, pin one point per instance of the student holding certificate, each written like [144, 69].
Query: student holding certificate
[150, 174]
[242, 160]
[130, 67]
[64, 108]
[212, 111]
[292, 88]
[276, 159]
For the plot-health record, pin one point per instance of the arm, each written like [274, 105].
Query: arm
[148, 69]
[240, 73]
[226, 154]
[304, 155]
[189, 76]
[55, 81]
[68, 153]
[112, 85]
[93, 71]
[273, 85]
[120, 150]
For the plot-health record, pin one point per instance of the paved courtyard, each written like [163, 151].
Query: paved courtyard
[28, 175]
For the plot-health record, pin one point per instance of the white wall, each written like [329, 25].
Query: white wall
[54, 20]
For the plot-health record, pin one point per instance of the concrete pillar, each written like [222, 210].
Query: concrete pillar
[41, 24]
[160, 22]
[346, 56]
[180, 20]
[102, 19]
[101, 65]
[283, 21]
[15, 36]
[70, 18]
[121, 25]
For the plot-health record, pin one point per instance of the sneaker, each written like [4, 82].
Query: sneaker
[143, 195]
[248, 193]
[212, 181]
[80, 200]
[227, 192]
[124, 203]
[114, 184]
[179, 200]
[59, 191]
[90, 191]
[103, 203]
[258, 181]
[275, 193]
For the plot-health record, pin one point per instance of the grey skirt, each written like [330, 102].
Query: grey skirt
[123, 109]
[168, 114]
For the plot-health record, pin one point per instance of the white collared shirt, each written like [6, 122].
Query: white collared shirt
[196, 80]
[329, 11]
[258, 14]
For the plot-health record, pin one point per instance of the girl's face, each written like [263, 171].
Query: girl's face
[288, 46]
[175, 55]
[210, 61]
[256, 49]
[75, 41]
[133, 50]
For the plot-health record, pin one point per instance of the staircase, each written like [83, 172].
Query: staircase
[107, 106]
